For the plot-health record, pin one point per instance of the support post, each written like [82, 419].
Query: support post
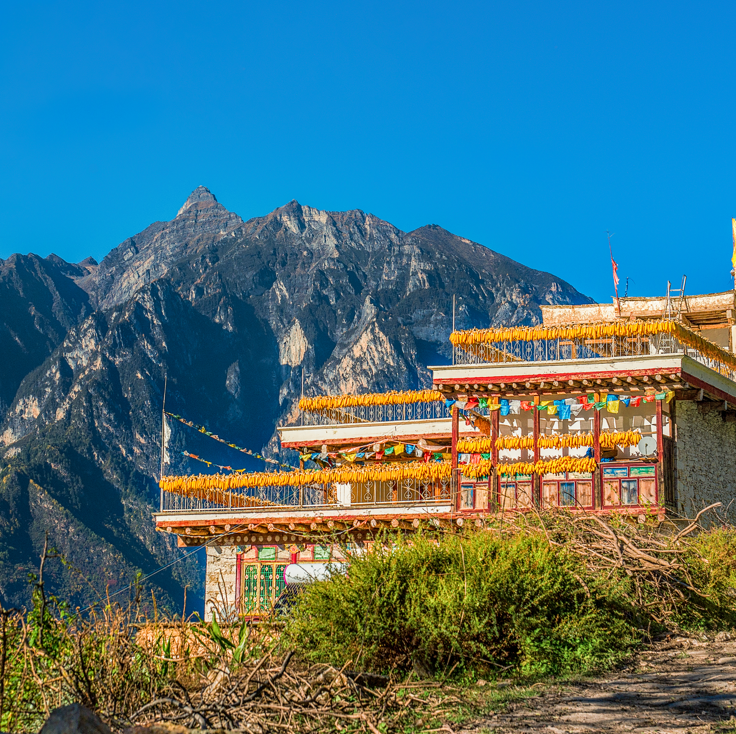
[597, 484]
[453, 475]
[672, 471]
[536, 479]
[238, 582]
[660, 451]
[493, 487]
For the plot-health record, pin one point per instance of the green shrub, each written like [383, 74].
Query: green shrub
[477, 603]
[709, 565]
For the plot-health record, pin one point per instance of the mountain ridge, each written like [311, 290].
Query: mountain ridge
[235, 314]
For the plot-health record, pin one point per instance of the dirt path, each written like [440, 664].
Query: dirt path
[686, 685]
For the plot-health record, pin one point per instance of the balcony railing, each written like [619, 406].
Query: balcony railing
[434, 410]
[333, 496]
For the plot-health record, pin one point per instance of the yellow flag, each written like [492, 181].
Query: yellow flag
[733, 257]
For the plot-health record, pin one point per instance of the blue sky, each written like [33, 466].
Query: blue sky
[529, 127]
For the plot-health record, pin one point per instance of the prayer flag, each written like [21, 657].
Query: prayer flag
[733, 257]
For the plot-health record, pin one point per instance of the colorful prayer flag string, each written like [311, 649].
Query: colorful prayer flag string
[203, 429]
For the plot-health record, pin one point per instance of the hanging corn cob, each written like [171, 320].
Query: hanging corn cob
[326, 402]
[549, 466]
[555, 441]
[413, 470]
[474, 445]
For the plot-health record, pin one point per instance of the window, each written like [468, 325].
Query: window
[261, 585]
[630, 491]
[568, 489]
[567, 494]
[516, 493]
[466, 496]
[629, 485]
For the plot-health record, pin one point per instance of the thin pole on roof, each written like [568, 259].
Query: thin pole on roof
[301, 417]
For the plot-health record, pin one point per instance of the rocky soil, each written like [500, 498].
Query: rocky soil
[681, 685]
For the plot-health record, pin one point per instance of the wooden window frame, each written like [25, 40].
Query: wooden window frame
[262, 606]
[654, 477]
[559, 480]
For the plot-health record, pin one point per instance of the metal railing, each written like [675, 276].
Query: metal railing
[554, 350]
[376, 414]
[332, 496]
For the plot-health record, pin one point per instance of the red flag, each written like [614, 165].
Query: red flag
[614, 265]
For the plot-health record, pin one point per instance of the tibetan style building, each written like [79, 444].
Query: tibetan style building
[627, 408]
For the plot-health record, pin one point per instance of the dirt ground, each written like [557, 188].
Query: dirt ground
[681, 685]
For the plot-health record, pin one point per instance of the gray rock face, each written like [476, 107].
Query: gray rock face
[233, 312]
[147, 256]
[74, 719]
[39, 302]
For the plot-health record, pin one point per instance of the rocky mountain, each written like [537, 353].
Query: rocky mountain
[39, 301]
[233, 313]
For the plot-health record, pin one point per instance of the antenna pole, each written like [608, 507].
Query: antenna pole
[301, 416]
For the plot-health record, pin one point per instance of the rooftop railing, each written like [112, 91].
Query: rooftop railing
[590, 341]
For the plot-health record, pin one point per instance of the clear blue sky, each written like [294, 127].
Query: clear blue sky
[529, 127]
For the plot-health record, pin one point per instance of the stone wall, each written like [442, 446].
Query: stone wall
[705, 460]
[219, 592]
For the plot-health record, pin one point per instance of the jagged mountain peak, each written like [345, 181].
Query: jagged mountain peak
[201, 197]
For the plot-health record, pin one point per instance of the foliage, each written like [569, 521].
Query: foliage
[478, 602]
[544, 595]
[537, 596]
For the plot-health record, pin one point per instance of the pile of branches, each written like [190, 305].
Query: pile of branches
[279, 693]
[657, 561]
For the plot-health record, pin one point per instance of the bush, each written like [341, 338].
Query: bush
[709, 565]
[481, 602]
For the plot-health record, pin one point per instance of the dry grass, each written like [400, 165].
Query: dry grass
[132, 671]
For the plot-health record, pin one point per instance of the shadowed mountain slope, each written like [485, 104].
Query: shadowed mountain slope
[232, 312]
